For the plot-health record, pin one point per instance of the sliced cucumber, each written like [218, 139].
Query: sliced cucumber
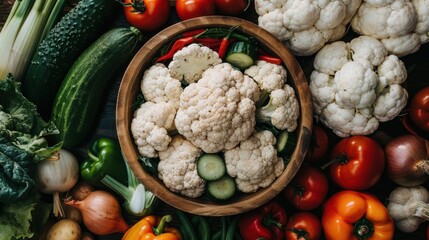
[222, 188]
[211, 167]
[241, 55]
[286, 142]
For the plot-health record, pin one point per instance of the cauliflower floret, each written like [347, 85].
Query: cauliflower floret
[355, 85]
[269, 76]
[305, 26]
[337, 52]
[401, 25]
[218, 111]
[390, 103]
[158, 86]
[363, 90]
[191, 61]
[349, 121]
[254, 163]
[282, 111]
[177, 168]
[149, 127]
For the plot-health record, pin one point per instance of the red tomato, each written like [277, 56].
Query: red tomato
[187, 9]
[319, 144]
[308, 189]
[147, 15]
[359, 163]
[232, 7]
[419, 109]
[303, 225]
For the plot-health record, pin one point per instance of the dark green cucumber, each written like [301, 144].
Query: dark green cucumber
[211, 166]
[286, 143]
[223, 188]
[241, 55]
[75, 32]
[78, 99]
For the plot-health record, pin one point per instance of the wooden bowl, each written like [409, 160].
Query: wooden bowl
[131, 84]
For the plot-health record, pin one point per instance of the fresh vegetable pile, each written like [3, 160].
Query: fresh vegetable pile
[213, 113]
[215, 119]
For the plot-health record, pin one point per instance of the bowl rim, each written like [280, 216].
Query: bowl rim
[132, 77]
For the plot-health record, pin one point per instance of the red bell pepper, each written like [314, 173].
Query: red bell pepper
[266, 222]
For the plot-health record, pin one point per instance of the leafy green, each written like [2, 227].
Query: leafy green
[22, 125]
[16, 165]
[17, 220]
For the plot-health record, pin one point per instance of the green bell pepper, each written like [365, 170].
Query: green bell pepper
[104, 158]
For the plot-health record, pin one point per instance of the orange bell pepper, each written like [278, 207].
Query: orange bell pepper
[354, 216]
[152, 228]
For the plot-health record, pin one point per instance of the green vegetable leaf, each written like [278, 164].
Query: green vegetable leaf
[22, 125]
[17, 219]
[16, 167]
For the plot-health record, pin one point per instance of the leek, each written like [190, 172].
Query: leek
[23, 31]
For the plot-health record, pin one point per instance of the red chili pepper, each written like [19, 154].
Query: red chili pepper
[223, 48]
[270, 59]
[263, 55]
[265, 222]
[179, 44]
[212, 43]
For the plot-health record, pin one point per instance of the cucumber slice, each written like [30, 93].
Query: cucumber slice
[211, 167]
[222, 188]
[241, 55]
[286, 142]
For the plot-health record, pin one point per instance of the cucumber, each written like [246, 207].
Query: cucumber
[223, 188]
[75, 32]
[241, 55]
[211, 167]
[81, 93]
[286, 142]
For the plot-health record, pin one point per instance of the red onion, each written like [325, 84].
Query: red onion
[101, 213]
[407, 160]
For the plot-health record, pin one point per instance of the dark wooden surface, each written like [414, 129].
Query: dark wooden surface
[417, 65]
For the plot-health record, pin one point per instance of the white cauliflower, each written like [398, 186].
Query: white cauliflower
[191, 61]
[356, 85]
[158, 86]
[305, 26]
[282, 110]
[401, 25]
[218, 111]
[150, 126]
[269, 76]
[177, 168]
[254, 163]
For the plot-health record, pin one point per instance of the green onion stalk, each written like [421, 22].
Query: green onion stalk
[27, 21]
[138, 200]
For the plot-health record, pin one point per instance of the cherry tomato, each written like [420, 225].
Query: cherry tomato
[319, 144]
[419, 109]
[187, 9]
[232, 7]
[308, 189]
[303, 225]
[358, 163]
[147, 15]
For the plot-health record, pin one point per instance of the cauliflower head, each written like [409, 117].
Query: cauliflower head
[150, 126]
[254, 163]
[282, 110]
[177, 168]
[305, 26]
[218, 111]
[269, 76]
[157, 85]
[358, 86]
[190, 62]
[401, 25]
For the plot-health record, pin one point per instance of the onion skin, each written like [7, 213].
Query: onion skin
[407, 161]
[101, 213]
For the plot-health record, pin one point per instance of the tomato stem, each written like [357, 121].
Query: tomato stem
[342, 159]
[300, 233]
[138, 5]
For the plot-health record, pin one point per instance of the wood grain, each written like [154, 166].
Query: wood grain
[130, 85]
